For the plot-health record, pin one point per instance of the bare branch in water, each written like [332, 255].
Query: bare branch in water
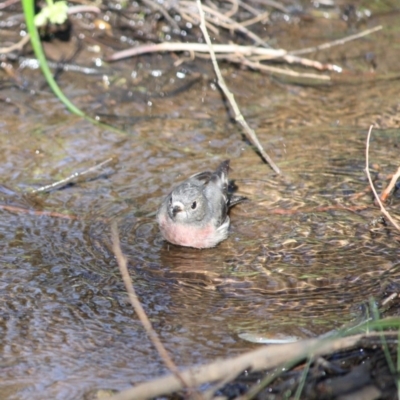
[75, 177]
[383, 209]
[137, 306]
[251, 135]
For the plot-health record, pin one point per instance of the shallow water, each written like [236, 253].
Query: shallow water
[305, 251]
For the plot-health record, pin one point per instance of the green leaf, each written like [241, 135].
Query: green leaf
[58, 12]
[55, 13]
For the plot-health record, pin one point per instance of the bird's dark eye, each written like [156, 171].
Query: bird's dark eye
[194, 205]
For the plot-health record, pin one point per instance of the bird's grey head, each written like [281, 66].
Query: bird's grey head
[187, 203]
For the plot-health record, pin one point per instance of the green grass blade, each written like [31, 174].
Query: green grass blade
[29, 12]
[375, 313]
[302, 382]
[28, 7]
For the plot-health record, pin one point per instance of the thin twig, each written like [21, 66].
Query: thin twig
[17, 46]
[83, 9]
[383, 209]
[137, 306]
[249, 8]
[386, 192]
[290, 59]
[221, 82]
[254, 20]
[229, 23]
[234, 9]
[198, 47]
[74, 178]
[163, 11]
[282, 71]
[337, 42]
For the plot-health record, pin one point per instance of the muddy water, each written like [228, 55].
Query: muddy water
[304, 252]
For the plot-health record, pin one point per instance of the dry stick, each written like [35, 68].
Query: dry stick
[189, 18]
[306, 62]
[234, 9]
[220, 19]
[83, 9]
[266, 357]
[238, 116]
[281, 71]
[338, 42]
[246, 51]
[383, 209]
[163, 11]
[311, 63]
[386, 192]
[250, 9]
[231, 50]
[75, 177]
[17, 46]
[256, 19]
[229, 23]
[270, 54]
[256, 65]
[137, 306]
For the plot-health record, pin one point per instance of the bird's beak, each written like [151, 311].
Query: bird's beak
[176, 209]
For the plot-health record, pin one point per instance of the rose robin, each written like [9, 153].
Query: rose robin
[195, 213]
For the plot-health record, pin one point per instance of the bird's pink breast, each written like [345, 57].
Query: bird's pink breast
[186, 235]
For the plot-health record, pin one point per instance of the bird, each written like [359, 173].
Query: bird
[195, 212]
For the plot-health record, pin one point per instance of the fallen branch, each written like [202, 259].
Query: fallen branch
[266, 357]
[337, 42]
[288, 72]
[76, 177]
[251, 135]
[386, 192]
[383, 209]
[137, 306]
[270, 54]
[17, 46]
[222, 20]
[248, 55]
[233, 50]
[159, 7]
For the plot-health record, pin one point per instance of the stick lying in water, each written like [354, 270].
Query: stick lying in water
[251, 135]
[137, 306]
[265, 357]
[27, 205]
[392, 183]
[75, 177]
[383, 209]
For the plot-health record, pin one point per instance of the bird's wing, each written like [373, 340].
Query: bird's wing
[220, 177]
[202, 177]
[233, 200]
